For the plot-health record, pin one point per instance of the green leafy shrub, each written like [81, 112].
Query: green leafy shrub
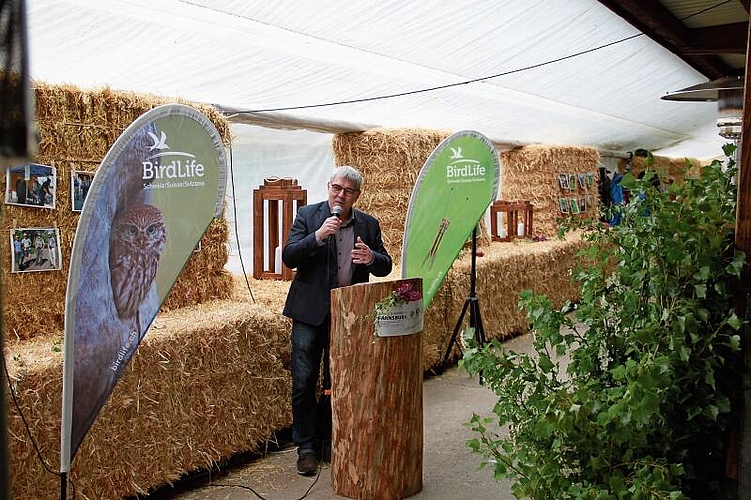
[628, 392]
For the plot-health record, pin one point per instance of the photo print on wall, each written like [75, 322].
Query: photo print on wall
[80, 182]
[574, 205]
[35, 249]
[31, 185]
[582, 180]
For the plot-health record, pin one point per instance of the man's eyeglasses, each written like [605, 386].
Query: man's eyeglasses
[348, 192]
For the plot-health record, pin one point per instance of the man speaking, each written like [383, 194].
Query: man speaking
[331, 244]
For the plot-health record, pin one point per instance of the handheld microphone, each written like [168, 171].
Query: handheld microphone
[336, 211]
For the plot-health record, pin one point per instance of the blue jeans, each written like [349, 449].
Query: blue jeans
[311, 418]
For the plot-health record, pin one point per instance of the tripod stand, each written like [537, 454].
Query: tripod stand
[471, 304]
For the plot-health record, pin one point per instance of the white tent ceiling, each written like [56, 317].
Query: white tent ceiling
[539, 71]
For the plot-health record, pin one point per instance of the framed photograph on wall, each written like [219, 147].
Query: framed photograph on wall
[590, 179]
[31, 185]
[80, 182]
[563, 204]
[582, 204]
[35, 249]
[572, 181]
[563, 181]
[574, 205]
[582, 180]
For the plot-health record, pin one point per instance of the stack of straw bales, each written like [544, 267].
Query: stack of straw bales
[390, 161]
[668, 170]
[503, 272]
[76, 129]
[207, 382]
[212, 380]
[531, 173]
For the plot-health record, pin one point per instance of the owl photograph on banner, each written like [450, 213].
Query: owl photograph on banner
[138, 234]
[136, 242]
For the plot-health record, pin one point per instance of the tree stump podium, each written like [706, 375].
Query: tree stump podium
[376, 399]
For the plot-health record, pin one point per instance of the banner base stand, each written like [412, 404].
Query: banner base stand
[471, 304]
[63, 485]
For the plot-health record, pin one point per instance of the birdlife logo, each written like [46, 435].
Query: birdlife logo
[461, 169]
[181, 171]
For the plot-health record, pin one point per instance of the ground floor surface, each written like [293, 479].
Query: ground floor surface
[450, 470]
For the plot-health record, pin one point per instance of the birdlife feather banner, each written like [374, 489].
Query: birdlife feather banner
[455, 186]
[150, 201]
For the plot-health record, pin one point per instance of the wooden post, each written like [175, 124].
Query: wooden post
[739, 456]
[376, 399]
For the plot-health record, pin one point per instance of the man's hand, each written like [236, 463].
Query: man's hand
[362, 254]
[330, 226]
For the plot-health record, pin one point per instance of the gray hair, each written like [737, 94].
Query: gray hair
[350, 173]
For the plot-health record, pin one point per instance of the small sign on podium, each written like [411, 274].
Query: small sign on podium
[399, 319]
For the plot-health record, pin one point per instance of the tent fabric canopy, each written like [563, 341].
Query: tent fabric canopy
[532, 71]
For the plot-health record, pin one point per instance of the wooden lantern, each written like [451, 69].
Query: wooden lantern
[274, 197]
[518, 218]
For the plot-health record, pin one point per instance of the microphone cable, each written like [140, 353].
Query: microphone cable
[28, 429]
[234, 223]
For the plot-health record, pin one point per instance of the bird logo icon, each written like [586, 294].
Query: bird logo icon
[159, 142]
[456, 153]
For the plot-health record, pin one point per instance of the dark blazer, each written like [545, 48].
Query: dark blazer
[309, 298]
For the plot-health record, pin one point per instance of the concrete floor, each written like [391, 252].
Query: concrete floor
[450, 469]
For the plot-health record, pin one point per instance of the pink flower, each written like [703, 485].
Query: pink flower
[407, 293]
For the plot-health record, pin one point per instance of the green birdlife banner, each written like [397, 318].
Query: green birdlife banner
[455, 187]
[152, 198]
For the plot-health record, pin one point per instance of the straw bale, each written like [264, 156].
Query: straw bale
[531, 174]
[206, 383]
[76, 129]
[503, 272]
[204, 278]
[668, 169]
[390, 161]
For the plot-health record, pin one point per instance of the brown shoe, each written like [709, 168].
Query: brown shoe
[306, 464]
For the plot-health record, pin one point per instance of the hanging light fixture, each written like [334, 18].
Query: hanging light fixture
[728, 92]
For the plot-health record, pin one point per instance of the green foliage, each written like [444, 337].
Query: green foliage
[628, 395]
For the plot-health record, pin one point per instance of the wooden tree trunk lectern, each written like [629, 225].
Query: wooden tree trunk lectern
[376, 399]
[291, 197]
